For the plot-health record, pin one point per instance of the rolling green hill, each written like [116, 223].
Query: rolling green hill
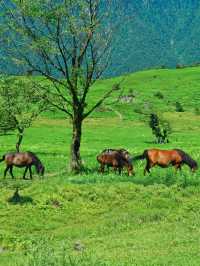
[95, 219]
[180, 85]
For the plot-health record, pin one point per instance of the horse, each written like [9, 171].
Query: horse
[115, 159]
[22, 159]
[123, 152]
[165, 158]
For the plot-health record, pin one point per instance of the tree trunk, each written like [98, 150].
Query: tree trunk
[75, 162]
[20, 138]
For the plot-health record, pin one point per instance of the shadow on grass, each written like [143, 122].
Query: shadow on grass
[18, 199]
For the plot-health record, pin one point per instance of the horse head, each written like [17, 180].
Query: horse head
[194, 166]
[40, 169]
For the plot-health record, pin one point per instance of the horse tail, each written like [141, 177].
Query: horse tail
[141, 157]
[186, 158]
[3, 158]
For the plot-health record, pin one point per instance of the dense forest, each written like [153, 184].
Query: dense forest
[152, 33]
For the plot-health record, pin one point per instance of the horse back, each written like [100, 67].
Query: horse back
[163, 157]
[113, 158]
[19, 159]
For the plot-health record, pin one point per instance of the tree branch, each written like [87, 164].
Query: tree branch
[106, 95]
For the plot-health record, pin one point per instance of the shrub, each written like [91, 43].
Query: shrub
[160, 128]
[197, 110]
[180, 66]
[159, 95]
[179, 107]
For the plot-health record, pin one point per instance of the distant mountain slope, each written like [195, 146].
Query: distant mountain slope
[154, 33]
[159, 33]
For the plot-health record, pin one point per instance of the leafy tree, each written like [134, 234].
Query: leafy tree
[160, 128]
[68, 42]
[20, 105]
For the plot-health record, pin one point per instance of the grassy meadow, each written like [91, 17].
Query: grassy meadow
[94, 219]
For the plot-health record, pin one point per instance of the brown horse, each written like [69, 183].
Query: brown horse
[165, 158]
[123, 152]
[115, 159]
[22, 159]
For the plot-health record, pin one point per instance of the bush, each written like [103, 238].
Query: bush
[197, 110]
[179, 107]
[180, 66]
[159, 95]
[160, 128]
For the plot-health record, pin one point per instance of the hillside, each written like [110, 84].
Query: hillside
[106, 219]
[158, 33]
[152, 91]
[152, 33]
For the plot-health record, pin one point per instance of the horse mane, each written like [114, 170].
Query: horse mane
[187, 159]
[33, 155]
[37, 160]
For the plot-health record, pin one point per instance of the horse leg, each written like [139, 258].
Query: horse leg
[120, 170]
[11, 171]
[26, 169]
[108, 168]
[177, 167]
[102, 168]
[30, 172]
[147, 168]
[130, 171]
[115, 168]
[6, 170]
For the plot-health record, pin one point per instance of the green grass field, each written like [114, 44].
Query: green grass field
[94, 219]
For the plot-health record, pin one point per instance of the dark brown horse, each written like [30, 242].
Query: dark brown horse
[22, 159]
[123, 152]
[165, 158]
[115, 159]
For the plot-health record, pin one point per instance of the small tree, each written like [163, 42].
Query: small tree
[69, 43]
[20, 105]
[160, 128]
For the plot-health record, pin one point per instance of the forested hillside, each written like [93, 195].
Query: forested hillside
[152, 33]
[158, 33]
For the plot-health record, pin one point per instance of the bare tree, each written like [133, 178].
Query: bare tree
[68, 42]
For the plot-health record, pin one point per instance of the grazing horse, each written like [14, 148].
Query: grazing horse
[22, 159]
[123, 152]
[165, 158]
[115, 159]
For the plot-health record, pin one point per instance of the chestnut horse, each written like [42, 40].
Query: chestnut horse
[165, 158]
[116, 159]
[22, 159]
